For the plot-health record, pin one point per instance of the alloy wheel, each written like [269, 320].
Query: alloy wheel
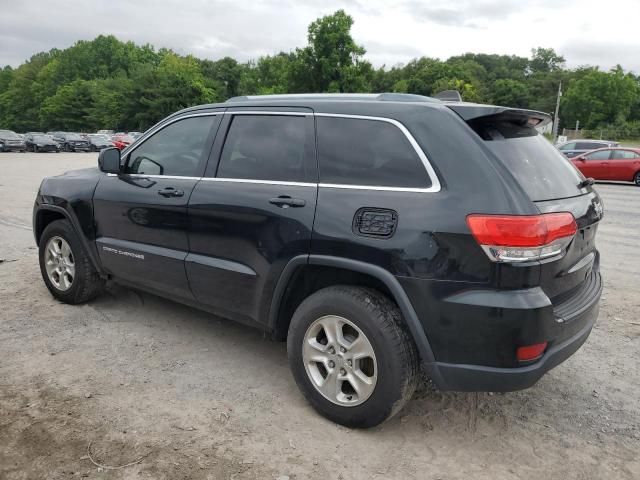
[340, 361]
[59, 263]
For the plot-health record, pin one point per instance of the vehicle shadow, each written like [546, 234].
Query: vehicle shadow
[209, 341]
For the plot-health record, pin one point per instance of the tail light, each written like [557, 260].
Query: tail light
[521, 238]
[528, 353]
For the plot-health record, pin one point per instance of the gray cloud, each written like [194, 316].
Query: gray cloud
[606, 54]
[392, 31]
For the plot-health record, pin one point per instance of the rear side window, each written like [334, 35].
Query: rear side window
[540, 168]
[367, 153]
[624, 155]
[265, 147]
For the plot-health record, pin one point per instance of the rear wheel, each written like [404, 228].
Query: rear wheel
[65, 267]
[636, 179]
[351, 356]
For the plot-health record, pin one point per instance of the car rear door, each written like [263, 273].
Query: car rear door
[623, 165]
[253, 211]
[141, 214]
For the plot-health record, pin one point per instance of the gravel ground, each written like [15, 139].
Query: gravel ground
[189, 396]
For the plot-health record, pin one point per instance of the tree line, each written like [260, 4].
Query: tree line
[107, 83]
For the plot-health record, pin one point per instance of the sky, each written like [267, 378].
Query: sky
[585, 32]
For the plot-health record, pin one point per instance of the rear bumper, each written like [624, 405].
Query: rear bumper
[475, 378]
[573, 322]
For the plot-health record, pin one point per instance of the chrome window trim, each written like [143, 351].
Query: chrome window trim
[267, 112]
[262, 182]
[143, 175]
[435, 181]
[377, 188]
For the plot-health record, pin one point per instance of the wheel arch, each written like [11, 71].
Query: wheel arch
[322, 271]
[45, 214]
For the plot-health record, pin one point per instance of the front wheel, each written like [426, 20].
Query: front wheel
[351, 355]
[65, 266]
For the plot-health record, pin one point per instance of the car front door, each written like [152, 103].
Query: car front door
[596, 164]
[253, 211]
[141, 214]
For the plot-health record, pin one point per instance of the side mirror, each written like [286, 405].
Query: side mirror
[109, 160]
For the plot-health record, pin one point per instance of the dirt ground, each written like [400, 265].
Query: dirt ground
[190, 396]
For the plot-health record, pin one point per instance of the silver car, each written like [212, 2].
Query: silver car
[573, 148]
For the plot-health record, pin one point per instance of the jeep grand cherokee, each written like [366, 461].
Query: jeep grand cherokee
[376, 234]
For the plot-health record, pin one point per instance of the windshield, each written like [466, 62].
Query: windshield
[539, 167]
[42, 138]
[73, 136]
[125, 138]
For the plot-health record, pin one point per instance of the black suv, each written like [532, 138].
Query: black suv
[71, 142]
[376, 234]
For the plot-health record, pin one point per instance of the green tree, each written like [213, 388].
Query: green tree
[513, 93]
[332, 61]
[600, 98]
[69, 108]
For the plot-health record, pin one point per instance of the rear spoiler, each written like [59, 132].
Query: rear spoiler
[474, 111]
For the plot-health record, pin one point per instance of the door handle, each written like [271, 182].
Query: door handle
[285, 201]
[170, 192]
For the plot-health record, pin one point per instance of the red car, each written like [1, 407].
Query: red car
[121, 141]
[622, 164]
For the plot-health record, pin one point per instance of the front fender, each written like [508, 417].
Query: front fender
[69, 196]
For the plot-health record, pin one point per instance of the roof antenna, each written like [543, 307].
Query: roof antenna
[448, 96]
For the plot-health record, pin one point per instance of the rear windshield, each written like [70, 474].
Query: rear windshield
[541, 169]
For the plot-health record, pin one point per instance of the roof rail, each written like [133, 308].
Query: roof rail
[384, 97]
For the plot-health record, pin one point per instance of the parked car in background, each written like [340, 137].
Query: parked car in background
[574, 148]
[122, 140]
[71, 142]
[621, 164]
[39, 142]
[135, 135]
[99, 141]
[11, 142]
[105, 132]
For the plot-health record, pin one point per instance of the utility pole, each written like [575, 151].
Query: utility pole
[556, 118]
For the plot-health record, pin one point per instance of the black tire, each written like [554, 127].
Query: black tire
[87, 283]
[636, 179]
[380, 321]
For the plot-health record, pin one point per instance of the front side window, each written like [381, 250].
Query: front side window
[599, 155]
[367, 153]
[590, 145]
[568, 146]
[175, 150]
[265, 147]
